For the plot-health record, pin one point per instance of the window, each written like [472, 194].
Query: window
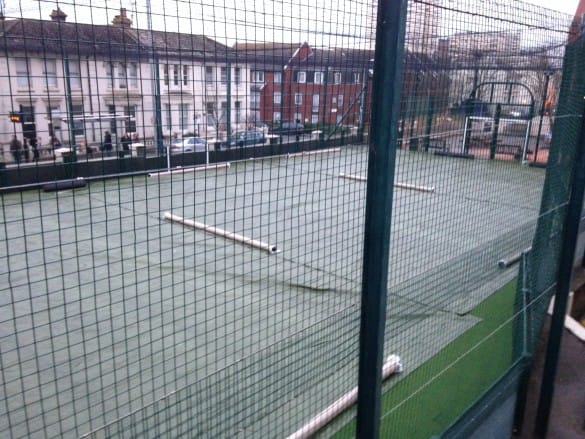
[298, 117]
[169, 117]
[302, 77]
[75, 75]
[334, 101]
[314, 118]
[298, 98]
[22, 72]
[176, 74]
[337, 77]
[50, 72]
[237, 75]
[122, 76]
[130, 121]
[110, 74]
[356, 77]
[340, 100]
[277, 77]
[166, 74]
[319, 77]
[113, 125]
[78, 125]
[223, 75]
[210, 113]
[184, 116]
[209, 75]
[315, 103]
[238, 110]
[133, 74]
[223, 114]
[257, 76]
[255, 100]
[185, 75]
[276, 115]
[277, 97]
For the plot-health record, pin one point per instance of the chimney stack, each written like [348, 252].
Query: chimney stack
[58, 15]
[122, 20]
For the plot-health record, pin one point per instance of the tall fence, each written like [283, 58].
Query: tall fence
[188, 193]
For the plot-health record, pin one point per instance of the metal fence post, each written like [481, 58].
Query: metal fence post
[381, 161]
[564, 277]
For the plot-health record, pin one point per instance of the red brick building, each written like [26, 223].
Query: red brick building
[314, 86]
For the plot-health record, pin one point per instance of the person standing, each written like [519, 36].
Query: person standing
[15, 147]
[125, 141]
[107, 145]
[25, 151]
[35, 149]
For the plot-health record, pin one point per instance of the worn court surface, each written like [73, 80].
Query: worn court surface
[117, 322]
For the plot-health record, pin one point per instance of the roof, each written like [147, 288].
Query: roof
[45, 36]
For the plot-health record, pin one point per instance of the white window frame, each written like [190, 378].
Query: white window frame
[237, 75]
[258, 76]
[298, 99]
[301, 77]
[356, 77]
[276, 116]
[109, 74]
[337, 77]
[277, 98]
[185, 75]
[314, 119]
[133, 74]
[22, 72]
[277, 77]
[223, 75]
[184, 115]
[50, 72]
[176, 74]
[340, 100]
[122, 75]
[298, 116]
[75, 73]
[209, 75]
[319, 78]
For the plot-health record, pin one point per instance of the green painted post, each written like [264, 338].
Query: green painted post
[381, 162]
[429, 125]
[564, 277]
[495, 130]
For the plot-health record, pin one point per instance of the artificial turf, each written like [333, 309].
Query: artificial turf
[429, 399]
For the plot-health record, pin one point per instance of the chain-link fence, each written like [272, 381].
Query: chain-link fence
[184, 196]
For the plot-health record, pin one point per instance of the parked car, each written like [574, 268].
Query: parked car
[188, 144]
[242, 138]
[288, 128]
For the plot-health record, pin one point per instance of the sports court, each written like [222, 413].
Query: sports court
[115, 320]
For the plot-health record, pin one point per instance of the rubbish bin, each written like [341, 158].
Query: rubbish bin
[69, 158]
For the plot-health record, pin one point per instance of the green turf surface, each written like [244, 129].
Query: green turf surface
[428, 400]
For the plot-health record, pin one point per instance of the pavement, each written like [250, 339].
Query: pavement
[567, 419]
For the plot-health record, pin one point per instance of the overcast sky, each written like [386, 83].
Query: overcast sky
[339, 23]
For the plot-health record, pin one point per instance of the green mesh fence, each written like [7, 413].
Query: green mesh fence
[251, 122]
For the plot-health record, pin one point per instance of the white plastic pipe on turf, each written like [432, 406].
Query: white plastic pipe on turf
[391, 366]
[317, 151]
[271, 249]
[413, 187]
[193, 169]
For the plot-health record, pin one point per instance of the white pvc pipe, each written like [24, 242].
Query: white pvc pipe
[352, 177]
[507, 262]
[194, 169]
[317, 151]
[391, 366]
[271, 249]
[413, 187]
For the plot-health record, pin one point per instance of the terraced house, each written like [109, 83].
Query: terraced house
[75, 81]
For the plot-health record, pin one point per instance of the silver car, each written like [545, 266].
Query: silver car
[188, 144]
